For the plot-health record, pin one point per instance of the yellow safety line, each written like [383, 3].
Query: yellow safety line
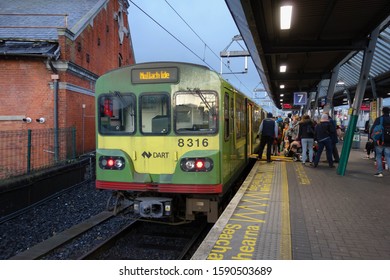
[285, 248]
[301, 175]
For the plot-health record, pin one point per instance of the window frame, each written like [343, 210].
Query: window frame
[113, 132]
[196, 132]
[169, 112]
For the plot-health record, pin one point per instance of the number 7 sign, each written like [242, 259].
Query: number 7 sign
[300, 98]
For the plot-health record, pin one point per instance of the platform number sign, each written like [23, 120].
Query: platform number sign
[300, 98]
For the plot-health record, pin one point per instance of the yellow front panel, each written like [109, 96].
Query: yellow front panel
[159, 155]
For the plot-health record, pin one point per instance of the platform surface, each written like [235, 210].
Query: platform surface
[286, 210]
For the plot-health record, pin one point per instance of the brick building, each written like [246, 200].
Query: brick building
[51, 53]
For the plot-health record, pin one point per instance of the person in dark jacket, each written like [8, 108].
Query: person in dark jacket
[323, 133]
[306, 136]
[335, 140]
[382, 147]
[268, 131]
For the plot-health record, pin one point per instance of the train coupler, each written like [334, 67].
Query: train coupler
[153, 207]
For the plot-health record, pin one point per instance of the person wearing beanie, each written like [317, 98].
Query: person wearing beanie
[382, 147]
[323, 133]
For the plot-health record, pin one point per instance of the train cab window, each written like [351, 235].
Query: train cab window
[155, 113]
[116, 114]
[196, 112]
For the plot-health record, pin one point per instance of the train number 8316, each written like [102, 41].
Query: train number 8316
[190, 142]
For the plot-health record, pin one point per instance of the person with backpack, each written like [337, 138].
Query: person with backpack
[380, 133]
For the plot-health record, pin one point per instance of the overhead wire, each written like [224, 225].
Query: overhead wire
[206, 45]
[173, 36]
[184, 45]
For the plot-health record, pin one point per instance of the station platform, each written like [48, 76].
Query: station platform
[285, 210]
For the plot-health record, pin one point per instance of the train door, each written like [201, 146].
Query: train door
[249, 114]
[228, 135]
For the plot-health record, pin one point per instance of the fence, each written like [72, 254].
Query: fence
[23, 152]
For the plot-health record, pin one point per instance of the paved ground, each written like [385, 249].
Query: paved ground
[339, 217]
[285, 210]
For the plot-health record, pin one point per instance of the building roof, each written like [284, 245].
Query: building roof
[40, 19]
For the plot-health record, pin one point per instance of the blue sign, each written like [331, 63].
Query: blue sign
[300, 98]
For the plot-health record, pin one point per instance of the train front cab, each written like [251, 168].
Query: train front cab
[161, 141]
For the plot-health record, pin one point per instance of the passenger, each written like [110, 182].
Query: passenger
[288, 119]
[335, 140]
[293, 130]
[306, 135]
[268, 131]
[369, 148]
[323, 135]
[285, 143]
[278, 140]
[340, 133]
[382, 147]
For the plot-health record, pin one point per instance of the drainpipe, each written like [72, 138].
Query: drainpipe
[55, 90]
[55, 77]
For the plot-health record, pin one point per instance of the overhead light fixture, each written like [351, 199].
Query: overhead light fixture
[285, 17]
[340, 83]
[283, 68]
[281, 86]
[282, 94]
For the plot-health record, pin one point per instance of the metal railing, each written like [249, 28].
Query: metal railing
[27, 151]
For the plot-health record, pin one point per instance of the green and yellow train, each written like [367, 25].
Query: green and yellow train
[172, 137]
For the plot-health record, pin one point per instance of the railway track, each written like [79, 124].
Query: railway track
[41, 249]
[146, 241]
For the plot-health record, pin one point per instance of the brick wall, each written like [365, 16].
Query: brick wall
[26, 87]
[25, 91]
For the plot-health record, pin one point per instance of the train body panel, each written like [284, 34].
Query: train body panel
[172, 128]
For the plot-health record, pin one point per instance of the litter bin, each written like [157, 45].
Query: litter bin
[356, 140]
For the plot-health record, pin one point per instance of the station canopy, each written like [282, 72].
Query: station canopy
[322, 35]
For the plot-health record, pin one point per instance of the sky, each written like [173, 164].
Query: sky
[207, 29]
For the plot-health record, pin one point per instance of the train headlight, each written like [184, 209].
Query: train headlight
[119, 163]
[196, 164]
[111, 163]
[190, 164]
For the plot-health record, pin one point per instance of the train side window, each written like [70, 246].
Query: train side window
[240, 118]
[196, 112]
[116, 113]
[155, 113]
[226, 111]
